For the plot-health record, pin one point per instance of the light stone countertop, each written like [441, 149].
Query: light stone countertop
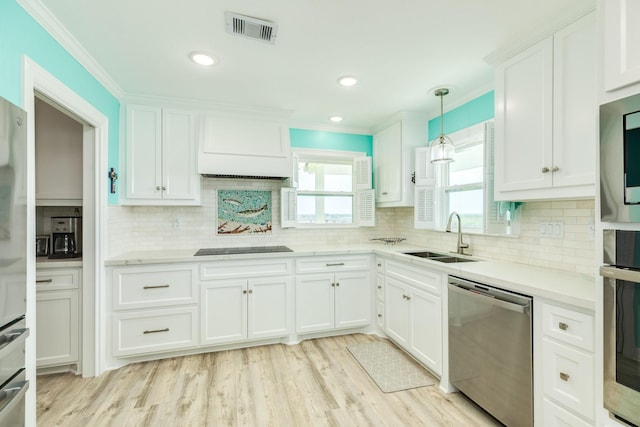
[43, 262]
[555, 285]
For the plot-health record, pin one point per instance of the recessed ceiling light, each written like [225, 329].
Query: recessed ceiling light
[347, 81]
[335, 119]
[202, 58]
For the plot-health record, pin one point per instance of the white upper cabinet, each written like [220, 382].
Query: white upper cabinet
[546, 115]
[393, 160]
[161, 157]
[620, 33]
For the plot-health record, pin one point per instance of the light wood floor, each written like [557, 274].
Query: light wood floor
[315, 383]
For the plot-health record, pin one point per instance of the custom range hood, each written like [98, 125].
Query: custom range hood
[233, 146]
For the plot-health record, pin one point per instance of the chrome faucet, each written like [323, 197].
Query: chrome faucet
[461, 246]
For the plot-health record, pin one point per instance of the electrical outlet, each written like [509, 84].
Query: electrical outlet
[177, 223]
[552, 229]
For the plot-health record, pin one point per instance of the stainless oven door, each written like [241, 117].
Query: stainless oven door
[622, 342]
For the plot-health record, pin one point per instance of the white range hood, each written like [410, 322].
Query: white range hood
[243, 146]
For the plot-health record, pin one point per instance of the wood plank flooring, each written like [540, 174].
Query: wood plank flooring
[315, 383]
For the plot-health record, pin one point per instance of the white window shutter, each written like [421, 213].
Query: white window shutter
[366, 208]
[288, 207]
[362, 173]
[424, 209]
[293, 181]
[425, 171]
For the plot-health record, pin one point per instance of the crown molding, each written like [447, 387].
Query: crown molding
[43, 16]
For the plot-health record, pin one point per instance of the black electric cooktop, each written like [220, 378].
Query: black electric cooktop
[242, 250]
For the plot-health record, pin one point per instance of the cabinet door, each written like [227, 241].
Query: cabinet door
[426, 329]
[180, 180]
[523, 114]
[352, 299]
[57, 328]
[621, 35]
[574, 101]
[223, 311]
[396, 311]
[267, 307]
[314, 302]
[144, 152]
[387, 162]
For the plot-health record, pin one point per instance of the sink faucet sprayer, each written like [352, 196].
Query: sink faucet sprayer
[461, 246]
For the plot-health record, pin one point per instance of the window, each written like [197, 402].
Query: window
[333, 189]
[461, 184]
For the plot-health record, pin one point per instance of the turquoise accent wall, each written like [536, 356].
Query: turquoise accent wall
[21, 35]
[475, 111]
[303, 138]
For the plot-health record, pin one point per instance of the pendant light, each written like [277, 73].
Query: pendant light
[442, 147]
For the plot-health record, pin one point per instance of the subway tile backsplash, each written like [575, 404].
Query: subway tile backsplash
[139, 228]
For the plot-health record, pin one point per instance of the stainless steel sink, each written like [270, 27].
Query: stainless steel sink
[440, 257]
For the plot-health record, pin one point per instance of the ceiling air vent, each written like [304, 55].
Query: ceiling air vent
[252, 28]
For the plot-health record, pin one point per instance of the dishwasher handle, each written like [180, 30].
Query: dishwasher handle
[492, 300]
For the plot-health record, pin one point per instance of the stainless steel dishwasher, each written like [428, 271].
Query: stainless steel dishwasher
[490, 349]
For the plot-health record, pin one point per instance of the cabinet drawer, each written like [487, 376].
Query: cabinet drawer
[555, 416]
[154, 287]
[380, 287]
[568, 326]
[569, 377]
[337, 263]
[245, 268]
[150, 331]
[380, 314]
[425, 279]
[57, 280]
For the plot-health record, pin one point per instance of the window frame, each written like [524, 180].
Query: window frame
[335, 157]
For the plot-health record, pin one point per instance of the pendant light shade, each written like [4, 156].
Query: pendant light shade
[442, 147]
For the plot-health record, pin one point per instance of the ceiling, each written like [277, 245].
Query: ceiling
[400, 51]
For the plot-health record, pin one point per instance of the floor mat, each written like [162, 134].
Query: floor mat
[389, 367]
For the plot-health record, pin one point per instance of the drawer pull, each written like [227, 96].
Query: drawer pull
[379, 287]
[335, 264]
[564, 377]
[563, 326]
[379, 264]
[379, 315]
[155, 286]
[155, 331]
[44, 281]
[337, 283]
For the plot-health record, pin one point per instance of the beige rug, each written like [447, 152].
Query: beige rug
[389, 367]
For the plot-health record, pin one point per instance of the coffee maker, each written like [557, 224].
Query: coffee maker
[66, 237]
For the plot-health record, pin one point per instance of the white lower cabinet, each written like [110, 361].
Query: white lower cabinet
[565, 365]
[413, 311]
[154, 308]
[240, 309]
[333, 298]
[57, 317]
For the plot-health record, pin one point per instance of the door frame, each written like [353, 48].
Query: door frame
[95, 161]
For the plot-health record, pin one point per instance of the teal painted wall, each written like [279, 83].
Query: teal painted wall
[303, 138]
[475, 111]
[22, 35]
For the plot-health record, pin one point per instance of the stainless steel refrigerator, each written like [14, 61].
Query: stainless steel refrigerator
[13, 263]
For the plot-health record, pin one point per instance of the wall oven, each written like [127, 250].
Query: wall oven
[622, 324]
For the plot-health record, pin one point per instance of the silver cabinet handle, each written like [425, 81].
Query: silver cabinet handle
[155, 331]
[250, 291]
[164, 188]
[379, 315]
[379, 264]
[379, 287]
[44, 281]
[555, 169]
[335, 264]
[158, 187]
[384, 193]
[337, 283]
[407, 297]
[564, 377]
[545, 169]
[563, 326]
[155, 286]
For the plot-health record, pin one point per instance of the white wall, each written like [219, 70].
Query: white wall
[136, 228]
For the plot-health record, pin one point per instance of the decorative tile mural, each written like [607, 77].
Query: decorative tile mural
[244, 212]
